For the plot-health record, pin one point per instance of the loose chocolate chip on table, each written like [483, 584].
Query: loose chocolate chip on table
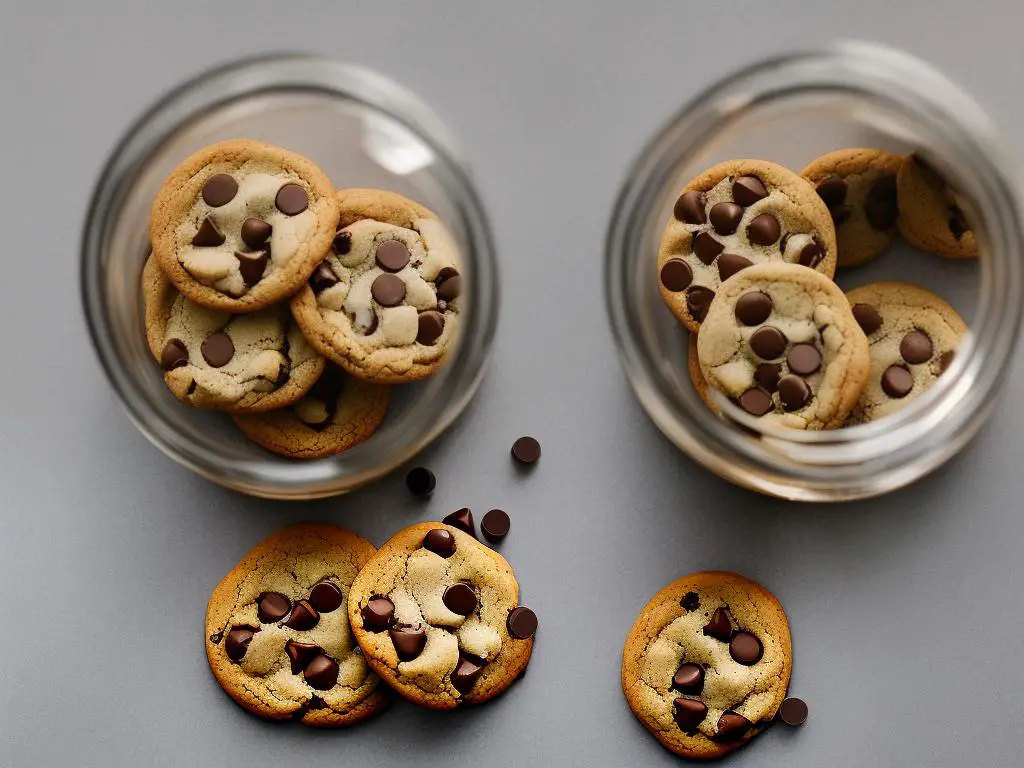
[811, 255]
[300, 654]
[323, 277]
[690, 713]
[689, 678]
[698, 301]
[793, 711]
[944, 361]
[803, 359]
[689, 208]
[291, 199]
[880, 207]
[957, 223]
[255, 232]
[237, 642]
[342, 243]
[272, 606]
[322, 672]
[767, 375]
[764, 230]
[730, 263]
[867, 318]
[706, 247]
[747, 190]
[719, 627]
[461, 519]
[794, 393]
[725, 217]
[756, 401]
[495, 525]
[448, 284]
[304, 616]
[526, 450]
[388, 290]
[731, 727]
[326, 597]
[440, 542]
[832, 191]
[209, 235]
[676, 275]
[753, 307]
[916, 347]
[466, 672]
[690, 601]
[409, 642]
[460, 598]
[174, 355]
[430, 328]
[768, 342]
[218, 349]
[252, 265]
[521, 623]
[392, 255]
[745, 648]
[420, 481]
[897, 381]
[219, 190]
[378, 614]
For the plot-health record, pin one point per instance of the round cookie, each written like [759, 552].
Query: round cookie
[912, 335]
[384, 304]
[707, 663]
[859, 188]
[780, 339]
[436, 614]
[337, 413]
[735, 214]
[932, 213]
[214, 360]
[241, 224]
[277, 633]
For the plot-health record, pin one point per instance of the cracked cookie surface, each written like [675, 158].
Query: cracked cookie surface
[734, 215]
[241, 224]
[707, 663]
[384, 303]
[932, 212]
[781, 341]
[277, 633]
[215, 360]
[436, 614]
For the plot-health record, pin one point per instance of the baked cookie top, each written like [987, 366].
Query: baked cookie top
[436, 614]
[241, 224]
[736, 214]
[277, 632]
[707, 663]
[215, 360]
[780, 339]
[384, 303]
[932, 212]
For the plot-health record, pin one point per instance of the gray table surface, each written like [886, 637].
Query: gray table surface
[906, 610]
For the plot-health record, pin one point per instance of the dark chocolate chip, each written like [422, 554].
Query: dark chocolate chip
[378, 614]
[767, 376]
[526, 450]
[690, 601]
[745, 648]
[218, 349]
[304, 616]
[174, 355]
[322, 672]
[753, 307]
[448, 284]
[237, 642]
[219, 190]
[300, 654]
[689, 208]
[495, 525]
[323, 277]
[430, 328]
[676, 275]
[897, 381]
[521, 623]
[793, 711]
[880, 207]
[811, 255]
[725, 217]
[698, 301]
[916, 347]
[719, 627]
[460, 598]
[945, 360]
[706, 248]
[731, 727]
[747, 190]
[690, 713]
[756, 401]
[466, 672]
[730, 263]
[409, 642]
[461, 519]
[764, 230]
[440, 542]
[388, 290]
[957, 223]
[832, 191]
[272, 606]
[768, 342]
[209, 235]
[326, 597]
[689, 678]
[255, 233]
[392, 256]
[794, 393]
[291, 200]
[840, 214]
[803, 359]
[867, 318]
[420, 481]
[252, 265]
[342, 242]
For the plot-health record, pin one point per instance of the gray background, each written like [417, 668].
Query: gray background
[906, 610]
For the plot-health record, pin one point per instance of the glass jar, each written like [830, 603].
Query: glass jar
[364, 131]
[790, 110]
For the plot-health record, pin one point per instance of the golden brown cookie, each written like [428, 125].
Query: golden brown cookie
[277, 632]
[707, 663]
[932, 213]
[697, 375]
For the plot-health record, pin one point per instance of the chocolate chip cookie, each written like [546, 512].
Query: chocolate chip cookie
[337, 413]
[707, 663]
[912, 335]
[437, 615]
[384, 304]
[780, 340]
[736, 214]
[215, 360]
[277, 632]
[697, 375]
[859, 188]
[241, 224]
[932, 213]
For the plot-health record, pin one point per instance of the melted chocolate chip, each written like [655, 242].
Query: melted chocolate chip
[745, 648]
[272, 606]
[409, 642]
[916, 347]
[731, 727]
[730, 263]
[326, 597]
[322, 672]
[764, 230]
[880, 207]
[719, 627]
[690, 602]
[220, 189]
[832, 191]
[430, 327]
[448, 284]
[388, 290]
[794, 393]
[803, 359]
[291, 200]
[747, 190]
[756, 401]
[676, 275]
[897, 382]
[300, 654]
[304, 616]
[706, 248]
[867, 318]
[218, 349]
[698, 301]
[237, 642]
[174, 355]
[811, 255]
[323, 277]
[392, 256]
[466, 672]
[460, 598]
[252, 265]
[725, 217]
[689, 678]
[768, 342]
[255, 233]
[689, 713]
[753, 307]
[440, 542]
[689, 208]
[209, 235]
[378, 614]
[342, 243]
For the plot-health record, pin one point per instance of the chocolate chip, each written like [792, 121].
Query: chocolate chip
[237, 642]
[342, 242]
[440, 542]
[867, 318]
[219, 190]
[753, 307]
[255, 233]
[768, 342]
[690, 601]
[209, 235]
[840, 214]
[430, 328]
[730, 263]
[811, 255]
[326, 596]
[449, 284]
[218, 349]
[461, 519]
[409, 642]
[719, 627]
[767, 376]
[388, 290]
[698, 301]
[521, 623]
[756, 401]
[526, 450]
[304, 616]
[690, 713]
[944, 361]
[764, 230]
[897, 381]
[327, 388]
[272, 606]
[745, 648]
[495, 525]
[916, 347]
[832, 191]
[466, 672]
[676, 275]
[731, 727]
[880, 207]
[369, 329]
[793, 711]
[803, 359]
[747, 190]
[689, 678]
[300, 654]
[460, 598]
[321, 673]
[794, 393]
[378, 614]
[323, 277]
[689, 208]
[174, 355]
[420, 481]
[291, 200]
[392, 255]
[725, 217]
[252, 265]
[706, 248]
[957, 223]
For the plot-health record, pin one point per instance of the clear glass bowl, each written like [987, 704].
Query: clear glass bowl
[364, 131]
[790, 110]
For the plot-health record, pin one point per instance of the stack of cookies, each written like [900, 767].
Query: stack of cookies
[290, 305]
[747, 262]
